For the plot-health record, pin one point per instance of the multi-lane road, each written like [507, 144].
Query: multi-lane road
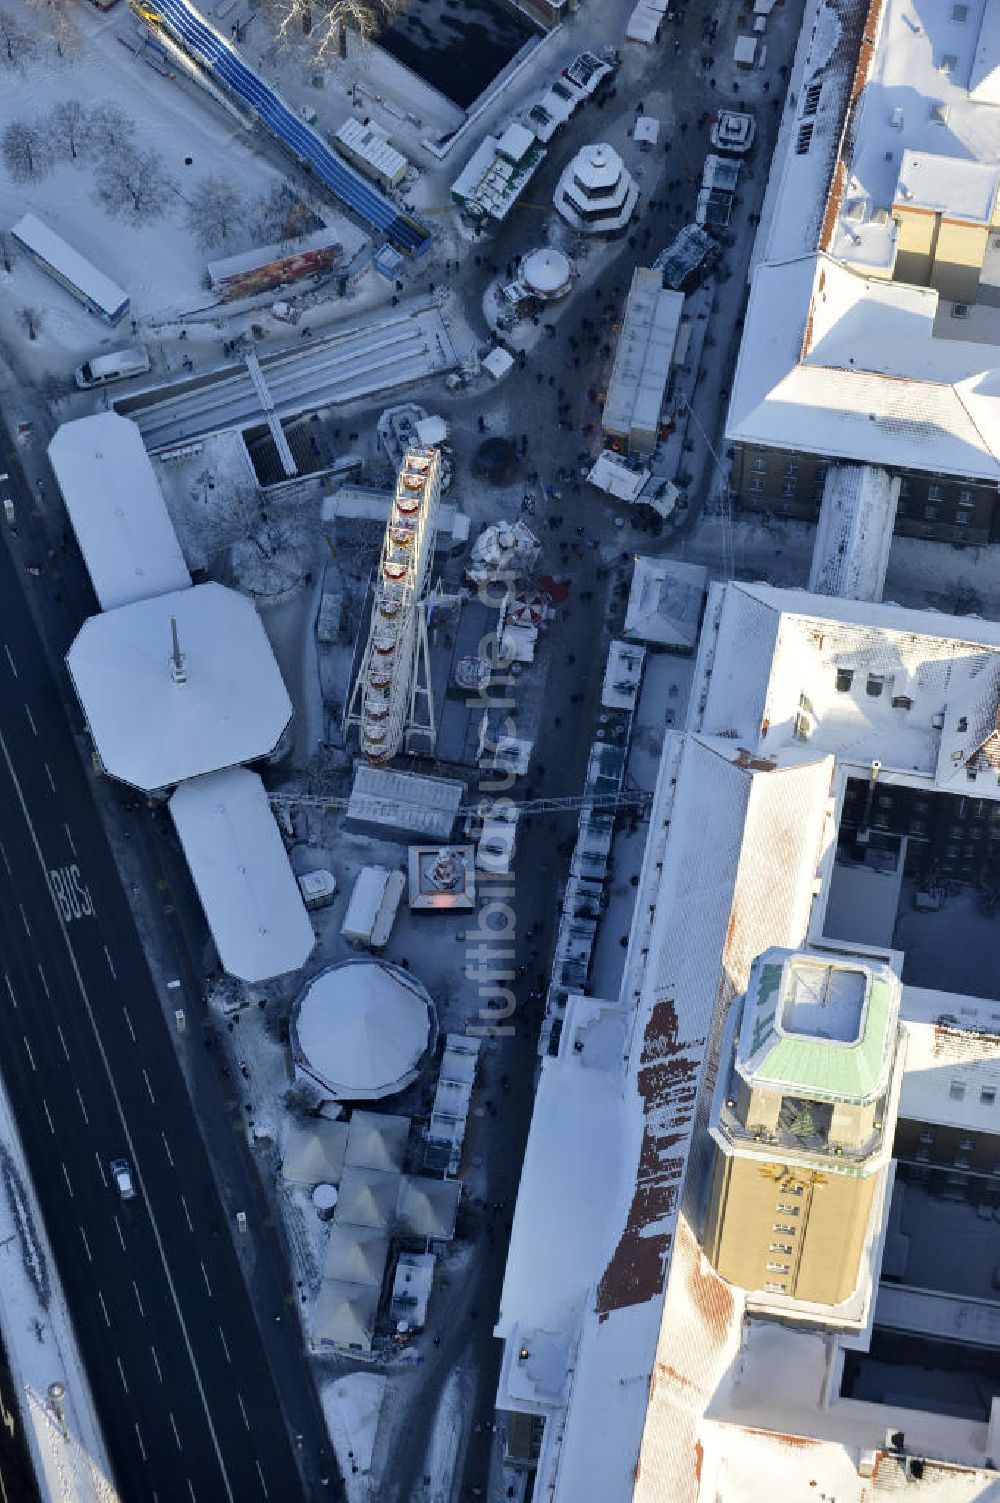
[175, 1359]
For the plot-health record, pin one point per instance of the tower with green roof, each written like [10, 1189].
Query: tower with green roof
[801, 1127]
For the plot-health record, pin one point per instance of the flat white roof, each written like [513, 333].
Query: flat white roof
[764, 649]
[952, 1074]
[644, 355]
[37, 237]
[373, 145]
[151, 731]
[117, 510]
[246, 886]
[405, 801]
[947, 185]
[665, 602]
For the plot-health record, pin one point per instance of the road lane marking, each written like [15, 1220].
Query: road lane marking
[121, 1373]
[129, 1022]
[86, 1246]
[167, 1147]
[48, 774]
[142, 1448]
[45, 984]
[69, 837]
[31, 719]
[187, 1214]
[225, 1345]
[10, 988]
[205, 1277]
[263, 1484]
[24, 920]
[194, 1496]
[239, 1400]
[48, 1117]
[129, 1144]
[156, 1363]
[118, 1229]
[62, 1040]
[138, 1301]
[66, 1178]
[111, 964]
[83, 1109]
[10, 659]
[100, 1166]
[31, 1057]
[104, 1307]
[6, 863]
[149, 1088]
[173, 1426]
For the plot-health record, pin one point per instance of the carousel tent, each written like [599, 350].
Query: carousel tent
[361, 1029]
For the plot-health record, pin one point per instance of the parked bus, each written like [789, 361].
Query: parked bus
[88, 285]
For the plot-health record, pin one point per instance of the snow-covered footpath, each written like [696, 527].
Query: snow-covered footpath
[67, 1448]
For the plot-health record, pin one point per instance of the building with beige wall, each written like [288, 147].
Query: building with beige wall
[802, 1126]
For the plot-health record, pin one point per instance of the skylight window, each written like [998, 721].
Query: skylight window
[960, 14]
[938, 114]
[948, 63]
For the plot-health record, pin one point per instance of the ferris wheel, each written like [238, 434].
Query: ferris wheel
[391, 702]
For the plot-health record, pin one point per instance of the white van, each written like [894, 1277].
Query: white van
[115, 366]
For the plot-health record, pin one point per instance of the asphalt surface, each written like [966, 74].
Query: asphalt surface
[175, 1360]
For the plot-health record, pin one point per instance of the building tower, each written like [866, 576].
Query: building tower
[395, 666]
[802, 1125]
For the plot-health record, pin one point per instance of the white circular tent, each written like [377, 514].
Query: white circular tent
[361, 1029]
[547, 272]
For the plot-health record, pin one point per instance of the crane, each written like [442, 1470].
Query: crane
[637, 799]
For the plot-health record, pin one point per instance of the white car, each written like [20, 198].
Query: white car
[122, 1176]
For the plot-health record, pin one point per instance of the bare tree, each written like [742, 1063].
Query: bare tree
[133, 185]
[16, 44]
[69, 128]
[279, 215]
[30, 320]
[53, 21]
[327, 22]
[26, 151]
[216, 211]
[107, 129]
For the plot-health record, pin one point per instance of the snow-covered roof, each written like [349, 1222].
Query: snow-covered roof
[599, 1207]
[117, 510]
[643, 357]
[344, 1315]
[547, 271]
[406, 801]
[155, 724]
[240, 868]
[791, 676]
[836, 363]
[427, 1207]
[665, 602]
[377, 1141]
[361, 1028]
[888, 384]
[614, 475]
[314, 1151]
[370, 144]
[367, 1197]
[952, 1074]
[54, 251]
[330, 237]
[356, 1254]
[854, 533]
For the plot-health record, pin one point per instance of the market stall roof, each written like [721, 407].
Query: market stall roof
[314, 1152]
[344, 1315]
[240, 868]
[377, 1141]
[428, 1207]
[116, 510]
[163, 706]
[356, 1254]
[367, 1198]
